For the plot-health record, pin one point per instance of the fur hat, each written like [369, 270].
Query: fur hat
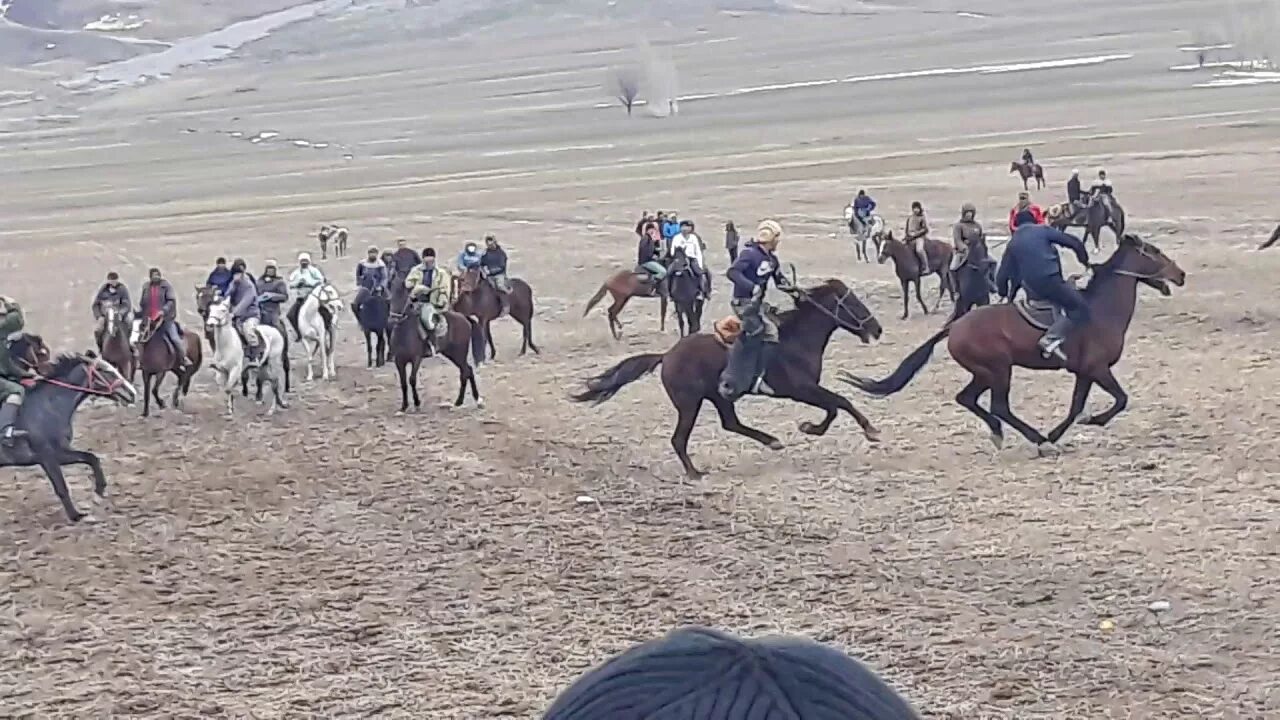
[769, 230]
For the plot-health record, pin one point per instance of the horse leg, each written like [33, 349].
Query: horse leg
[1079, 394]
[413, 383]
[67, 456]
[968, 399]
[404, 386]
[475, 389]
[310, 352]
[906, 298]
[155, 390]
[59, 481]
[146, 393]
[942, 289]
[615, 325]
[1108, 382]
[175, 398]
[662, 312]
[488, 333]
[820, 397]
[527, 324]
[1000, 408]
[368, 348]
[688, 415]
[924, 308]
[729, 421]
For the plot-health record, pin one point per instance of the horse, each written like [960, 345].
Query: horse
[228, 358]
[156, 359]
[990, 341]
[685, 289]
[339, 236]
[408, 348]
[624, 285]
[46, 416]
[691, 369]
[316, 334]
[373, 317]
[207, 296]
[479, 298]
[906, 265]
[872, 229]
[1102, 212]
[114, 344]
[1028, 171]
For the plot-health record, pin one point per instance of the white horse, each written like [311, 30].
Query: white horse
[228, 356]
[871, 229]
[315, 336]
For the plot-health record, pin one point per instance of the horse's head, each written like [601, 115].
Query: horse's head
[327, 295]
[91, 375]
[111, 316]
[469, 280]
[147, 328]
[1015, 167]
[679, 262]
[1138, 258]
[206, 295]
[217, 313]
[840, 303]
[887, 243]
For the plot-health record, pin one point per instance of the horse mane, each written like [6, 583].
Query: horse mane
[65, 363]
[1108, 267]
[817, 293]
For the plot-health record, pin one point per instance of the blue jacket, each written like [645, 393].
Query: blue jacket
[670, 229]
[1032, 256]
[863, 205]
[753, 268]
[220, 278]
[244, 299]
[494, 261]
[466, 260]
[371, 275]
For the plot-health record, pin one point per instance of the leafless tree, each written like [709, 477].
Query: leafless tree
[624, 84]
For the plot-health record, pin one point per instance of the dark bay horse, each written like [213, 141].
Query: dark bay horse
[906, 265]
[622, 286]
[990, 341]
[1027, 171]
[691, 369]
[46, 416]
[685, 288]
[374, 318]
[408, 348]
[114, 343]
[479, 298]
[156, 359]
[1103, 212]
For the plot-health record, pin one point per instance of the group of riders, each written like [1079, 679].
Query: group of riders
[663, 238]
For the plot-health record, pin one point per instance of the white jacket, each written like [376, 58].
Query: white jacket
[303, 281]
[692, 247]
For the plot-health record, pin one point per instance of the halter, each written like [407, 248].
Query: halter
[1141, 249]
[91, 372]
[859, 323]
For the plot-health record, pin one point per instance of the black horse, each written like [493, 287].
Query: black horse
[374, 317]
[47, 413]
[685, 288]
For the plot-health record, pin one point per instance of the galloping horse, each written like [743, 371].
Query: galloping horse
[691, 369]
[229, 361]
[409, 347]
[114, 345]
[990, 341]
[1028, 171]
[685, 288]
[316, 333]
[156, 359]
[1102, 212]
[46, 416]
[906, 265]
[624, 285]
[205, 297]
[478, 297]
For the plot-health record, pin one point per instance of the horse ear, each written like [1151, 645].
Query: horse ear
[91, 354]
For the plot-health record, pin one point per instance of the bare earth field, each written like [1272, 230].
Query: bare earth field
[339, 561]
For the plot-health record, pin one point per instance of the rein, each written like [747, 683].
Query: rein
[91, 371]
[859, 323]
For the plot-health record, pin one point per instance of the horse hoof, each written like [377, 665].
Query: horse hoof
[872, 435]
[776, 444]
[1048, 449]
[809, 428]
[480, 403]
[88, 519]
[998, 440]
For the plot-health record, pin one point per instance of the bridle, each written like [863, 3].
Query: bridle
[859, 325]
[91, 375]
[1141, 249]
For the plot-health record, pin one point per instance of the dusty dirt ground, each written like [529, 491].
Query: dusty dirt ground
[342, 562]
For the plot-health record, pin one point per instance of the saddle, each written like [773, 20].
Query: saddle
[1040, 314]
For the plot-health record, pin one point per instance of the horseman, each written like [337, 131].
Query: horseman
[12, 391]
[692, 246]
[371, 278]
[493, 266]
[650, 254]
[242, 266]
[159, 303]
[111, 294]
[750, 275]
[1027, 160]
[916, 233]
[670, 227]
[272, 291]
[1025, 205]
[970, 242]
[1100, 186]
[1031, 261]
[220, 278]
[467, 259]
[243, 296]
[302, 281]
[863, 206]
[403, 259]
[1075, 196]
[429, 286]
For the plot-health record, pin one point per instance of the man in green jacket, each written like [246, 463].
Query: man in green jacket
[11, 374]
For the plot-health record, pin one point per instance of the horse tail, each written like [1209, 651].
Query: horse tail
[477, 340]
[910, 366]
[607, 384]
[604, 288]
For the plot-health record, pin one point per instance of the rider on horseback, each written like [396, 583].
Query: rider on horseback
[493, 265]
[1027, 159]
[239, 265]
[220, 277]
[1101, 185]
[111, 294]
[11, 373]
[917, 232]
[650, 254]
[970, 242]
[863, 206]
[371, 278]
[243, 297]
[467, 259]
[271, 293]
[429, 286]
[692, 246]
[159, 303]
[302, 282]
[403, 259]
[750, 276]
[1075, 196]
[1031, 261]
[1025, 205]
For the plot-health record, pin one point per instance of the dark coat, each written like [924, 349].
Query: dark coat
[271, 293]
[494, 260]
[752, 269]
[167, 300]
[1032, 256]
[108, 296]
[244, 298]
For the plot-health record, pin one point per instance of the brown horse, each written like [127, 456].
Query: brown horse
[907, 267]
[1102, 212]
[408, 348]
[691, 369]
[477, 297]
[990, 341]
[1028, 171]
[114, 343]
[622, 286]
[156, 359]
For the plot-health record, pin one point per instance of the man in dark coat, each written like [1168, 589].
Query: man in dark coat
[1031, 261]
[272, 292]
[158, 302]
[112, 294]
[220, 278]
[243, 295]
[403, 259]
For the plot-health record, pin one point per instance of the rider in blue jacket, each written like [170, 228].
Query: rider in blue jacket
[1031, 261]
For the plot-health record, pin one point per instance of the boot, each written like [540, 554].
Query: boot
[9, 431]
[1051, 342]
[251, 359]
[767, 351]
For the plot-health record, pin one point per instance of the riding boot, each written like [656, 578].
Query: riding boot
[768, 351]
[8, 423]
[251, 356]
[1051, 342]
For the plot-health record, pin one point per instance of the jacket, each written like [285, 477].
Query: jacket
[271, 293]
[863, 206]
[11, 322]
[494, 261]
[649, 251]
[371, 275]
[1036, 213]
[220, 278]
[432, 282]
[244, 298]
[304, 280]
[1031, 257]
[467, 260]
[970, 242]
[403, 260]
[1073, 190]
[108, 296]
[753, 268]
[165, 304]
[691, 245]
[917, 227]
